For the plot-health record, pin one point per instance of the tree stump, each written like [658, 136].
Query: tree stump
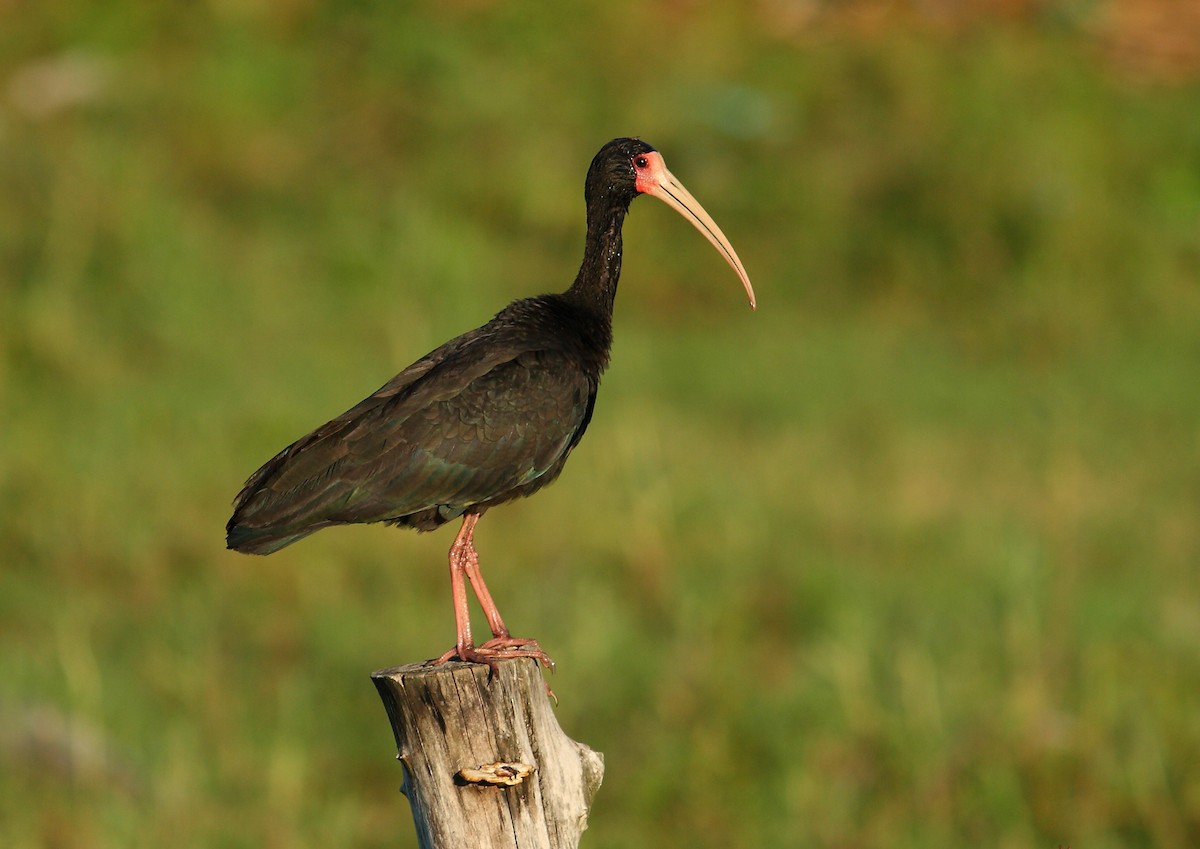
[486, 764]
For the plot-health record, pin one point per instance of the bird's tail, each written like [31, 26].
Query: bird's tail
[250, 540]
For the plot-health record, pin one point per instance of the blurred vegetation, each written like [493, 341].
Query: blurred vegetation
[906, 559]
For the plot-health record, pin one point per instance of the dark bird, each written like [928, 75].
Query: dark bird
[488, 417]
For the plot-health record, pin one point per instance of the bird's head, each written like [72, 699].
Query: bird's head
[613, 173]
[625, 168]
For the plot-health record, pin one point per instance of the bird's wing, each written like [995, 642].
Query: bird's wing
[451, 430]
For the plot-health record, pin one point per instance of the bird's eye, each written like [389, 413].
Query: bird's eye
[641, 161]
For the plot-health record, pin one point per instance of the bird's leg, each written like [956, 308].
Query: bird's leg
[464, 561]
[463, 643]
[502, 639]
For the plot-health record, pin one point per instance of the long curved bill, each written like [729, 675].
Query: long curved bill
[657, 181]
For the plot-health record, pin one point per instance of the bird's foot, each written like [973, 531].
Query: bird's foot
[497, 649]
[509, 646]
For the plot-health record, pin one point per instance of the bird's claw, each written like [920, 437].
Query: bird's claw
[517, 647]
[497, 649]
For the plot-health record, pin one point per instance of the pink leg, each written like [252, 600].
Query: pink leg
[458, 589]
[464, 562]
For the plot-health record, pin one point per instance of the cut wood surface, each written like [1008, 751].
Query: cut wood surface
[485, 762]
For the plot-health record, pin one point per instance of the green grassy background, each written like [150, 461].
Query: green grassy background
[908, 558]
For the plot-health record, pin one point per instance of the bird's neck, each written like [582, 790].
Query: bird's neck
[595, 286]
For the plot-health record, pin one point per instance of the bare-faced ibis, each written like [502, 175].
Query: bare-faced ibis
[488, 417]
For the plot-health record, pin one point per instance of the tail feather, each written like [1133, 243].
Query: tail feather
[249, 540]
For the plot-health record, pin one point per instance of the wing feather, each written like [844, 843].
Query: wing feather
[461, 427]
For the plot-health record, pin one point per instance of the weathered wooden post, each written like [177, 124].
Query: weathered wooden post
[486, 764]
